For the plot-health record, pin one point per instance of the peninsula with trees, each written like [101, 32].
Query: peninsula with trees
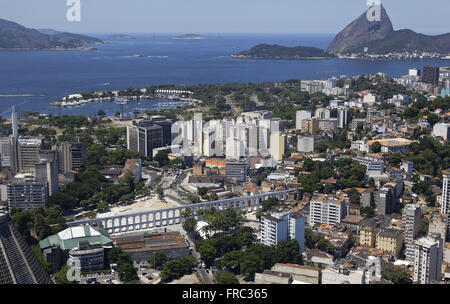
[14, 36]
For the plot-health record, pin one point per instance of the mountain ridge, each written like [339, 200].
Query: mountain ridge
[14, 36]
[379, 37]
[361, 31]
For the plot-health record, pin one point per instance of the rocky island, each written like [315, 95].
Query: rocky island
[189, 37]
[120, 36]
[274, 51]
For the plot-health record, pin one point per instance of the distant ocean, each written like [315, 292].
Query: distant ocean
[55, 74]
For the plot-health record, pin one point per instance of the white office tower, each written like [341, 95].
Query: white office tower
[15, 123]
[301, 115]
[411, 217]
[428, 255]
[228, 125]
[188, 130]
[252, 139]
[198, 134]
[219, 140]
[264, 137]
[263, 141]
[343, 117]
[305, 144]
[243, 135]
[446, 192]
[209, 138]
[235, 146]
[278, 227]
[208, 142]
[224, 124]
[266, 124]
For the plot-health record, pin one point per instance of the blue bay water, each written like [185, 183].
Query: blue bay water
[56, 74]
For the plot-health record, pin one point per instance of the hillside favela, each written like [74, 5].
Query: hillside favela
[167, 154]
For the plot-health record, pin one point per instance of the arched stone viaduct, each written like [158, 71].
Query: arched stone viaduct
[173, 216]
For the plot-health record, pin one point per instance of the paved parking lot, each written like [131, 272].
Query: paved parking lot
[100, 279]
[148, 275]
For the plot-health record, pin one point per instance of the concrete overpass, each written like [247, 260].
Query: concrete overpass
[173, 216]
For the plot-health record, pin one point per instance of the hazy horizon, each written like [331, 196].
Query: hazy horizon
[212, 17]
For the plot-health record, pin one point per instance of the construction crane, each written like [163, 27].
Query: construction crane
[322, 73]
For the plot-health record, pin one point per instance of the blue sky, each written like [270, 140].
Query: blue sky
[222, 16]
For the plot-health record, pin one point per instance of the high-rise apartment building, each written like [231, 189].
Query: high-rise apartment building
[343, 117]
[47, 171]
[277, 146]
[28, 153]
[386, 202]
[411, 218]
[27, 195]
[439, 223]
[328, 125]
[328, 209]
[441, 130]
[278, 227]
[300, 116]
[7, 157]
[428, 255]
[8, 146]
[234, 148]
[305, 144]
[310, 126]
[445, 192]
